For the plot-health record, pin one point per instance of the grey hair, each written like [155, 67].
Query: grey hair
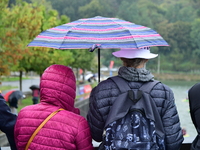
[135, 62]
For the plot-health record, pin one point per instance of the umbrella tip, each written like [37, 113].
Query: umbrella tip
[94, 46]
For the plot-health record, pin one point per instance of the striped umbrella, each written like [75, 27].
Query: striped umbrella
[98, 33]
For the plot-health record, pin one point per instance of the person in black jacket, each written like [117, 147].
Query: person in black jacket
[194, 104]
[7, 122]
[134, 72]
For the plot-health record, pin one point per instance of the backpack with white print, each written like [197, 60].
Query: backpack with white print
[133, 122]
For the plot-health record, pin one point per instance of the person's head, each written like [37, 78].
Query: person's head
[58, 86]
[13, 102]
[134, 57]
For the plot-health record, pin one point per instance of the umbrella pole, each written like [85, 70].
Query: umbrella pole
[99, 65]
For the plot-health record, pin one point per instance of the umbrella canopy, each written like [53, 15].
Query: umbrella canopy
[98, 33]
[16, 94]
[6, 96]
[32, 87]
[13, 94]
[101, 31]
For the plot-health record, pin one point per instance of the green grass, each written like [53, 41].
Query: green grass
[28, 101]
[25, 102]
[7, 87]
[8, 78]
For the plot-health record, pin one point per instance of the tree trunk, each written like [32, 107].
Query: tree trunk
[77, 74]
[20, 80]
[83, 75]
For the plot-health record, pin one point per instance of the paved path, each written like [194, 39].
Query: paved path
[25, 84]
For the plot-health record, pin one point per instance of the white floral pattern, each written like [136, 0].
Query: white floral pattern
[133, 132]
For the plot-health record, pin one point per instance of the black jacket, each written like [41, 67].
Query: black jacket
[194, 103]
[7, 122]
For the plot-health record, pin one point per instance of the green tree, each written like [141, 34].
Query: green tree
[179, 40]
[180, 10]
[94, 7]
[15, 34]
[25, 21]
[195, 48]
[85, 60]
[4, 64]
[41, 58]
[69, 7]
[22, 24]
[129, 11]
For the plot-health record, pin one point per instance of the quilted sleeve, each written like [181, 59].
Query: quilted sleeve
[100, 103]
[94, 118]
[83, 138]
[171, 123]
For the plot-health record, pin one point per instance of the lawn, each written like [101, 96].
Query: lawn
[25, 102]
[7, 87]
[28, 101]
[10, 78]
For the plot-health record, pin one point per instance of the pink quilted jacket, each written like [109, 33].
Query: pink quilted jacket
[67, 130]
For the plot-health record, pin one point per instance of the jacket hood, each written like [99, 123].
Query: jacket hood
[58, 87]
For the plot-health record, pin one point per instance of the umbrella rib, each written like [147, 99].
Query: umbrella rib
[70, 30]
[126, 30]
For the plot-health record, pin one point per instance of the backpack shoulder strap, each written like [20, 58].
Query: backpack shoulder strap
[148, 86]
[121, 83]
[121, 105]
[124, 87]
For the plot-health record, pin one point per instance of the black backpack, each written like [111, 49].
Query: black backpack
[133, 122]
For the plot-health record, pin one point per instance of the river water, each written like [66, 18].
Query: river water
[180, 89]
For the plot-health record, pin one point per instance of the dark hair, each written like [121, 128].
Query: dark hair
[135, 62]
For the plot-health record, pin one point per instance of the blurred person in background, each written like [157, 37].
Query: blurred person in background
[13, 104]
[36, 95]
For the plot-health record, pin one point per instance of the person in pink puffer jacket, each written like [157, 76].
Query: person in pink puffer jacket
[67, 130]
